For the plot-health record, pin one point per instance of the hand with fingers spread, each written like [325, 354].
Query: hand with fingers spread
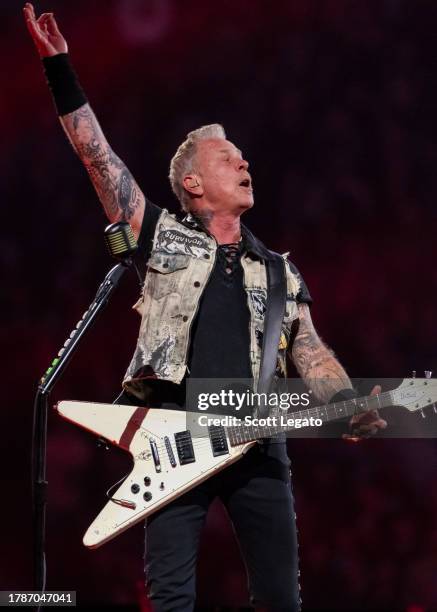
[365, 424]
[44, 32]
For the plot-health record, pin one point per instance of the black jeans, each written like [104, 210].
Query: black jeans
[256, 491]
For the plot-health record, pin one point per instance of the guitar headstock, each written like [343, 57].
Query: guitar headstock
[416, 393]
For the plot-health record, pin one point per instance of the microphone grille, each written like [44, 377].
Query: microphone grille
[120, 240]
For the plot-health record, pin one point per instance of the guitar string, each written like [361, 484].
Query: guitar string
[202, 448]
[318, 413]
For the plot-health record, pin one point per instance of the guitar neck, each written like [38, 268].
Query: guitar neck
[282, 421]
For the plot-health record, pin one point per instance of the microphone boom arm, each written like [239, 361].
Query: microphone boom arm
[104, 292]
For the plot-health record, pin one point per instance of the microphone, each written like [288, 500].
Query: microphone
[120, 240]
[121, 244]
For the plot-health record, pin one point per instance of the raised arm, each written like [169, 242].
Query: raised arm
[116, 188]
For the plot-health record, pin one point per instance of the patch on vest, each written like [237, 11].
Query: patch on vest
[173, 241]
[258, 297]
[283, 340]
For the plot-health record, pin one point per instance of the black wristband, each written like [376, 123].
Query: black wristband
[62, 80]
[343, 395]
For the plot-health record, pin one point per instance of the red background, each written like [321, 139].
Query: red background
[333, 104]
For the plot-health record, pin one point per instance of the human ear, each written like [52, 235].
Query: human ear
[192, 184]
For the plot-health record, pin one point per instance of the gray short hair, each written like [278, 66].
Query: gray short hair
[182, 162]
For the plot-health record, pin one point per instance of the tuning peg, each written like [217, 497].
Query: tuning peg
[422, 414]
[413, 374]
[428, 373]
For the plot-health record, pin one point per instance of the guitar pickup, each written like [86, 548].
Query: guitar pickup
[155, 455]
[184, 447]
[219, 443]
[170, 451]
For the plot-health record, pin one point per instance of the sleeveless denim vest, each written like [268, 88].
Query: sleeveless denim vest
[181, 261]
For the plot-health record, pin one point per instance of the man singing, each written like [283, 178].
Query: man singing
[202, 310]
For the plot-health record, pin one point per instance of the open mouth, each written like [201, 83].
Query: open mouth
[244, 183]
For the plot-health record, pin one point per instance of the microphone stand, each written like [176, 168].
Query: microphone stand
[39, 434]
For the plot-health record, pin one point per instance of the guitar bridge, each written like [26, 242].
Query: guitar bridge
[170, 451]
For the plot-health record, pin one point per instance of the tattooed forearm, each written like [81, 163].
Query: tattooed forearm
[118, 191]
[316, 364]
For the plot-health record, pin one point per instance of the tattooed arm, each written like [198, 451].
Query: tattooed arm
[315, 362]
[324, 375]
[118, 191]
[120, 195]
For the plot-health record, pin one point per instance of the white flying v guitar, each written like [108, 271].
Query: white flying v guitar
[169, 460]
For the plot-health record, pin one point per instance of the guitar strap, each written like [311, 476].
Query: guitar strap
[275, 309]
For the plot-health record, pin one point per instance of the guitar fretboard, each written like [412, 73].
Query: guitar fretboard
[239, 434]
